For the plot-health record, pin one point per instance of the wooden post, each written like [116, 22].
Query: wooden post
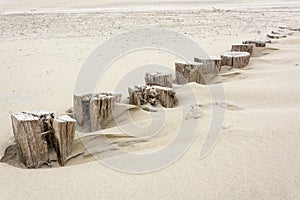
[159, 78]
[211, 64]
[117, 96]
[258, 42]
[276, 35]
[64, 132]
[100, 111]
[135, 96]
[242, 48]
[32, 144]
[81, 109]
[189, 72]
[236, 59]
[140, 95]
[290, 28]
[166, 96]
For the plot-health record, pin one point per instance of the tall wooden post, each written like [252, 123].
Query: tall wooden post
[31, 142]
[64, 132]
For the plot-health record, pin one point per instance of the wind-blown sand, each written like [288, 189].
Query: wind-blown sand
[257, 155]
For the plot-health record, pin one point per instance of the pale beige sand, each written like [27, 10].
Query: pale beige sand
[257, 155]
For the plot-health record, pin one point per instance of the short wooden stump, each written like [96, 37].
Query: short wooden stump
[236, 59]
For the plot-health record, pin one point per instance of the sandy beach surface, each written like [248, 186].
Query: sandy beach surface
[43, 45]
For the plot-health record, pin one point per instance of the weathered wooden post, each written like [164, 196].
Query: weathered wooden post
[166, 96]
[81, 105]
[159, 78]
[101, 110]
[82, 108]
[140, 95]
[258, 42]
[28, 131]
[211, 64]
[189, 72]
[242, 48]
[235, 59]
[64, 132]
[274, 35]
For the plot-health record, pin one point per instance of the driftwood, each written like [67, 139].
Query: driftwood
[236, 59]
[82, 107]
[211, 64]
[159, 78]
[140, 95]
[274, 35]
[100, 110]
[32, 145]
[189, 72]
[258, 42]
[64, 132]
[242, 48]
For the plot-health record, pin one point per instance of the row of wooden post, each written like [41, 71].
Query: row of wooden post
[36, 132]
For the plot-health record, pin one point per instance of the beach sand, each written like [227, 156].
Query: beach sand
[257, 154]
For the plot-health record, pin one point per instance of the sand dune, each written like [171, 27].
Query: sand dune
[256, 157]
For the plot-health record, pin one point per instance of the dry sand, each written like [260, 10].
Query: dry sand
[257, 155]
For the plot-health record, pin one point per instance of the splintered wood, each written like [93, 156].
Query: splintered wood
[242, 48]
[140, 95]
[211, 64]
[93, 110]
[64, 132]
[189, 72]
[235, 59]
[159, 78]
[35, 132]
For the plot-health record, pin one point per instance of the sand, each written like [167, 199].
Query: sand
[257, 154]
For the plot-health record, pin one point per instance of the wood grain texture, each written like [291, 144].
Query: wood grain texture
[64, 132]
[31, 143]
